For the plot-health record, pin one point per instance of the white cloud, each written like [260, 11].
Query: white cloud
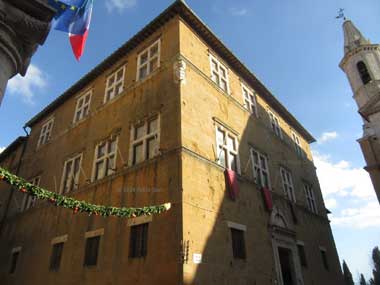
[2, 149]
[327, 136]
[342, 179]
[344, 185]
[363, 217]
[330, 203]
[238, 11]
[119, 5]
[27, 85]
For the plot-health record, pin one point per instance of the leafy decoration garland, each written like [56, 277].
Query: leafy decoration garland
[75, 205]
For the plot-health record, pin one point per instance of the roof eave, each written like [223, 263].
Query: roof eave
[12, 147]
[179, 8]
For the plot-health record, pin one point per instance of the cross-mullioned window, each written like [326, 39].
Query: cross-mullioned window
[310, 199]
[287, 184]
[105, 158]
[145, 138]
[115, 84]
[45, 134]
[71, 172]
[260, 168]
[83, 107]
[227, 149]
[297, 144]
[275, 124]
[148, 60]
[219, 74]
[249, 100]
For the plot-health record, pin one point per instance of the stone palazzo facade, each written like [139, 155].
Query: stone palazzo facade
[171, 116]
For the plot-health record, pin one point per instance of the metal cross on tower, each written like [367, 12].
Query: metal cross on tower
[341, 14]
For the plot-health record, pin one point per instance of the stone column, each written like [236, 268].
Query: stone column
[24, 25]
[6, 71]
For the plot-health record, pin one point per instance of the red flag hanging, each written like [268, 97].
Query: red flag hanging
[267, 198]
[232, 183]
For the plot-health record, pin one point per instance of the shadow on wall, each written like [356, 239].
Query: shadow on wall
[242, 241]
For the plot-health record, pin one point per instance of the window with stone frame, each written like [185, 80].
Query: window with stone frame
[302, 254]
[82, 108]
[260, 168]
[115, 84]
[275, 124]
[297, 144]
[310, 198]
[238, 244]
[148, 60]
[71, 173]
[14, 259]
[56, 256]
[287, 184]
[105, 158]
[45, 133]
[227, 149]
[219, 74]
[29, 200]
[249, 98]
[325, 261]
[145, 139]
[91, 251]
[138, 246]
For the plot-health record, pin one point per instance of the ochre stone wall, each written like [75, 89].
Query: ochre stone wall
[152, 182]
[207, 208]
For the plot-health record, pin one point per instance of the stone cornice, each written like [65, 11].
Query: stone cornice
[351, 53]
[38, 9]
[179, 8]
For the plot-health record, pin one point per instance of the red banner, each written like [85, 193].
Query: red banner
[232, 183]
[267, 198]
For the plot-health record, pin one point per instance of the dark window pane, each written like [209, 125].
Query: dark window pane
[324, 259]
[139, 241]
[91, 253]
[99, 170]
[302, 255]
[14, 260]
[151, 147]
[55, 260]
[137, 153]
[238, 243]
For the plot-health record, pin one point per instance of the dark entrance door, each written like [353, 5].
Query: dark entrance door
[287, 267]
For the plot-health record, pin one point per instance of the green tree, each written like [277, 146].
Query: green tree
[347, 275]
[362, 280]
[375, 280]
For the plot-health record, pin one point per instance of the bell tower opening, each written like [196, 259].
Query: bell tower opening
[363, 72]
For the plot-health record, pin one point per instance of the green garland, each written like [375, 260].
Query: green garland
[75, 205]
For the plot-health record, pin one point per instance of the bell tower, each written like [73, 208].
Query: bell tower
[361, 63]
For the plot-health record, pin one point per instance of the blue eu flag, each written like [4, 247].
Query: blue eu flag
[69, 12]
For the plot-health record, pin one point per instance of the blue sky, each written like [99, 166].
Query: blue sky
[294, 47]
